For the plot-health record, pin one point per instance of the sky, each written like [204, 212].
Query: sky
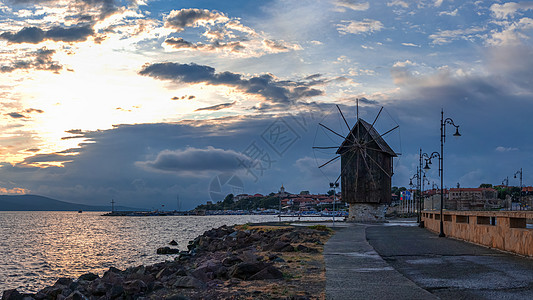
[148, 102]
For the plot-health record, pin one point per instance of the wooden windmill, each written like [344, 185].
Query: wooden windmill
[366, 169]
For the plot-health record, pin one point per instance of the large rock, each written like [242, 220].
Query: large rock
[188, 282]
[270, 272]
[88, 277]
[245, 270]
[76, 295]
[167, 250]
[280, 246]
[135, 287]
[12, 295]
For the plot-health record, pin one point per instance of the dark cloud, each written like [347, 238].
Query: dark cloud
[75, 131]
[179, 19]
[30, 110]
[180, 43]
[46, 158]
[195, 160]
[185, 97]
[218, 106]
[105, 7]
[16, 115]
[33, 150]
[36, 60]
[34, 35]
[273, 90]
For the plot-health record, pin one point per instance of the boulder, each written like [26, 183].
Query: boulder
[12, 295]
[173, 243]
[280, 246]
[245, 270]
[88, 277]
[115, 292]
[306, 249]
[167, 250]
[76, 295]
[270, 272]
[50, 292]
[231, 260]
[188, 282]
[135, 287]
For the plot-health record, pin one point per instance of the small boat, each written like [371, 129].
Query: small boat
[80, 211]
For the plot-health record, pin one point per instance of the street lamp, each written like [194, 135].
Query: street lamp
[443, 123]
[417, 205]
[334, 186]
[520, 198]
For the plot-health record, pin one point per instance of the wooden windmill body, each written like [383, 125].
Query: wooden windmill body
[366, 171]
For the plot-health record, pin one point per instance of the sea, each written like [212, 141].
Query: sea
[37, 248]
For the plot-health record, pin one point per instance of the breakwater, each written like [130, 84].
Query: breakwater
[242, 262]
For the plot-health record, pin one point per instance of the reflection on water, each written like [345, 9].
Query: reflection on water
[36, 248]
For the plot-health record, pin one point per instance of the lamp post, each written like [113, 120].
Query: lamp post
[520, 197]
[443, 123]
[417, 191]
[334, 186]
[505, 183]
[424, 180]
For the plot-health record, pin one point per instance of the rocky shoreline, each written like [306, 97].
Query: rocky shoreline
[261, 261]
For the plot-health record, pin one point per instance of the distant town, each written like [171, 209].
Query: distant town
[403, 201]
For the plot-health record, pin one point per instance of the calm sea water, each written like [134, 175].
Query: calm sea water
[36, 248]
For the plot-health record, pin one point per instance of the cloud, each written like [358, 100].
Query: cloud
[38, 159]
[266, 85]
[16, 115]
[35, 35]
[511, 34]
[452, 13]
[104, 8]
[222, 34]
[510, 9]
[352, 4]
[185, 97]
[505, 149]
[410, 45]
[36, 60]
[181, 44]
[193, 17]
[447, 36]
[192, 160]
[217, 107]
[398, 3]
[357, 27]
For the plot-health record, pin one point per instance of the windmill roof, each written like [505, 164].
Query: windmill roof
[383, 146]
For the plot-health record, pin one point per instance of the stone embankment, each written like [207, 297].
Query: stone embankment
[241, 262]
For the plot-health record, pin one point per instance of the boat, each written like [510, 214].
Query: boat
[80, 211]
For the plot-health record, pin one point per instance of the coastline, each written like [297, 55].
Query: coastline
[260, 261]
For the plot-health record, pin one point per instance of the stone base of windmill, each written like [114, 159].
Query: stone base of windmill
[367, 213]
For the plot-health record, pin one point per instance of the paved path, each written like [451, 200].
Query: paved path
[414, 263]
[355, 271]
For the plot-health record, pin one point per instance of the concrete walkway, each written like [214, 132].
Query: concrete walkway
[355, 271]
[407, 262]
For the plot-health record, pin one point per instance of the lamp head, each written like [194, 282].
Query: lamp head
[514, 175]
[411, 182]
[457, 134]
[331, 184]
[426, 167]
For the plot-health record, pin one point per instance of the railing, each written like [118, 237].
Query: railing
[504, 230]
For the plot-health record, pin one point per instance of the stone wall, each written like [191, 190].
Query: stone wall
[504, 230]
[367, 213]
